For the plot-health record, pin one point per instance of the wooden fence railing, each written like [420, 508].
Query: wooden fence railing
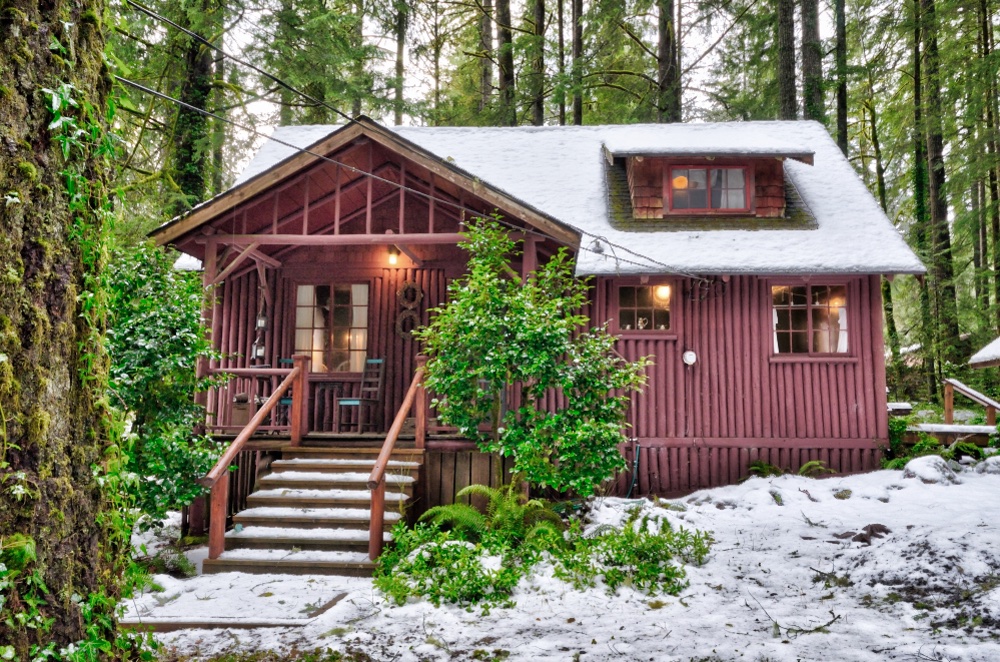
[952, 386]
[218, 478]
[415, 395]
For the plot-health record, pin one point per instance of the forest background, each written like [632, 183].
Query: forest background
[908, 90]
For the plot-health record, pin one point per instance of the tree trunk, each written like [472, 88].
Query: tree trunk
[577, 62]
[358, 65]
[979, 251]
[560, 9]
[219, 108]
[538, 65]
[505, 57]
[668, 103]
[812, 63]
[53, 371]
[191, 161]
[921, 222]
[486, 55]
[892, 332]
[942, 267]
[993, 204]
[787, 105]
[840, 60]
[401, 20]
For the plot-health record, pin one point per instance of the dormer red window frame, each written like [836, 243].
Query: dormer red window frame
[668, 189]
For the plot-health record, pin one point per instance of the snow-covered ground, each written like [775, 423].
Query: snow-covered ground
[872, 567]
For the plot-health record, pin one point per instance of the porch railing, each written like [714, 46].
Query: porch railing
[416, 395]
[218, 478]
[952, 386]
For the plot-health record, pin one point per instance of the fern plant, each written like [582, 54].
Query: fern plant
[510, 519]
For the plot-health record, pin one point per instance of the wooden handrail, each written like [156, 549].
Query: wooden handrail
[376, 480]
[218, 478]
[222, 466]
[951, 386]
[250, 372]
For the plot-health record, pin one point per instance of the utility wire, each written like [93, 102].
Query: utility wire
[595, 246]
[197, 37]
[597, 240]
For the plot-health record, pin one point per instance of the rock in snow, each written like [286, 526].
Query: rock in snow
[931, 469]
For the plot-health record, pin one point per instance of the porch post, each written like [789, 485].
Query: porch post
[217, 517]
[207, 312]
[300, 399]
[420, 434]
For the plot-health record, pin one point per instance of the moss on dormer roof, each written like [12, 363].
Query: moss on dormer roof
[797, 215]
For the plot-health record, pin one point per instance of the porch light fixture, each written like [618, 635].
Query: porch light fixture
[258, 351]
[262, 322]
[393, 255]
[662, 294]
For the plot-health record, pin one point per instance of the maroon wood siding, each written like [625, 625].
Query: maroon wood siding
[739, 402]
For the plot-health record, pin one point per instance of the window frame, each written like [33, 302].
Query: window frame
[850, 292]
[332, 283]
[668, 189]
[614, 309]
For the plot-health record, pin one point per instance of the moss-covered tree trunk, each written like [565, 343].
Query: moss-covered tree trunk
[51, 367]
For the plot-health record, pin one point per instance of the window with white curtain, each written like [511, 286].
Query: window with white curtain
[331, 326]
[809, 319]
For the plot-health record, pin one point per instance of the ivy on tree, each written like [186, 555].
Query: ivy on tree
[504, 348]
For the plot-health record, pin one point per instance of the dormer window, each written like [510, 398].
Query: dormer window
[707, 190]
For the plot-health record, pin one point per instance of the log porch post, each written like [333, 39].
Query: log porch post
[217, 517]
[420, 434]
[300, 396]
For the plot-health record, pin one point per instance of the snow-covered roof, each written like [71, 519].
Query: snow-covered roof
[561, 172]
[987, 356]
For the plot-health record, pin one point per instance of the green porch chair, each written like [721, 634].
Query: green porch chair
[369, 397]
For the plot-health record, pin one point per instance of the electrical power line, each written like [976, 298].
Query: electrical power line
[595, 246]
[597, 240]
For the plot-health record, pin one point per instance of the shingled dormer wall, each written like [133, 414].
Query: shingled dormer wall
[646, 183]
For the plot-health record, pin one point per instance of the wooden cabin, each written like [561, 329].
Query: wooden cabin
[744, 258]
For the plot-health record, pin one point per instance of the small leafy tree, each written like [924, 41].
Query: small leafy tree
[155, 338]
[499, 336]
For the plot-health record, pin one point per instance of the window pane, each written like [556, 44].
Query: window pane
[780, 295]
[340, 361]
[800, 343]
[799, 296]
[697, 178]
[342, 295]
[303, 317]
[699, 198]
[734, 178]
[322, 296]
[800, 319]
[783, 320]
[305, 295]
[661, 320]
[736, 199]
[681, 200]
[784, 343]
[626, 296]
[717, 197]
[359, 294]
[303, 340]
[360, 317]
[627, 320]
[644, 297]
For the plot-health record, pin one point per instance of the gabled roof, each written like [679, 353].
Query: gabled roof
[559, 172]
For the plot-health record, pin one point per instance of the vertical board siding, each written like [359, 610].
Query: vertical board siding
[736, 389]
[702, 425]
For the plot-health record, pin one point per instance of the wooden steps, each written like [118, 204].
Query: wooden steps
[311, 513]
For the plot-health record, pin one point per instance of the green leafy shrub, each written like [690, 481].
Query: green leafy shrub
[762, 469]
[926, 445]
[641, 555]
[155, 340]
[440, 566]
[480, 560]
[499, 332]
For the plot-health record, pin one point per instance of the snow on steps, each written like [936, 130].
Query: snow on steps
[311, 513]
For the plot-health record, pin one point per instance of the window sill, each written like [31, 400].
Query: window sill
[645, 335]
[806, 358]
